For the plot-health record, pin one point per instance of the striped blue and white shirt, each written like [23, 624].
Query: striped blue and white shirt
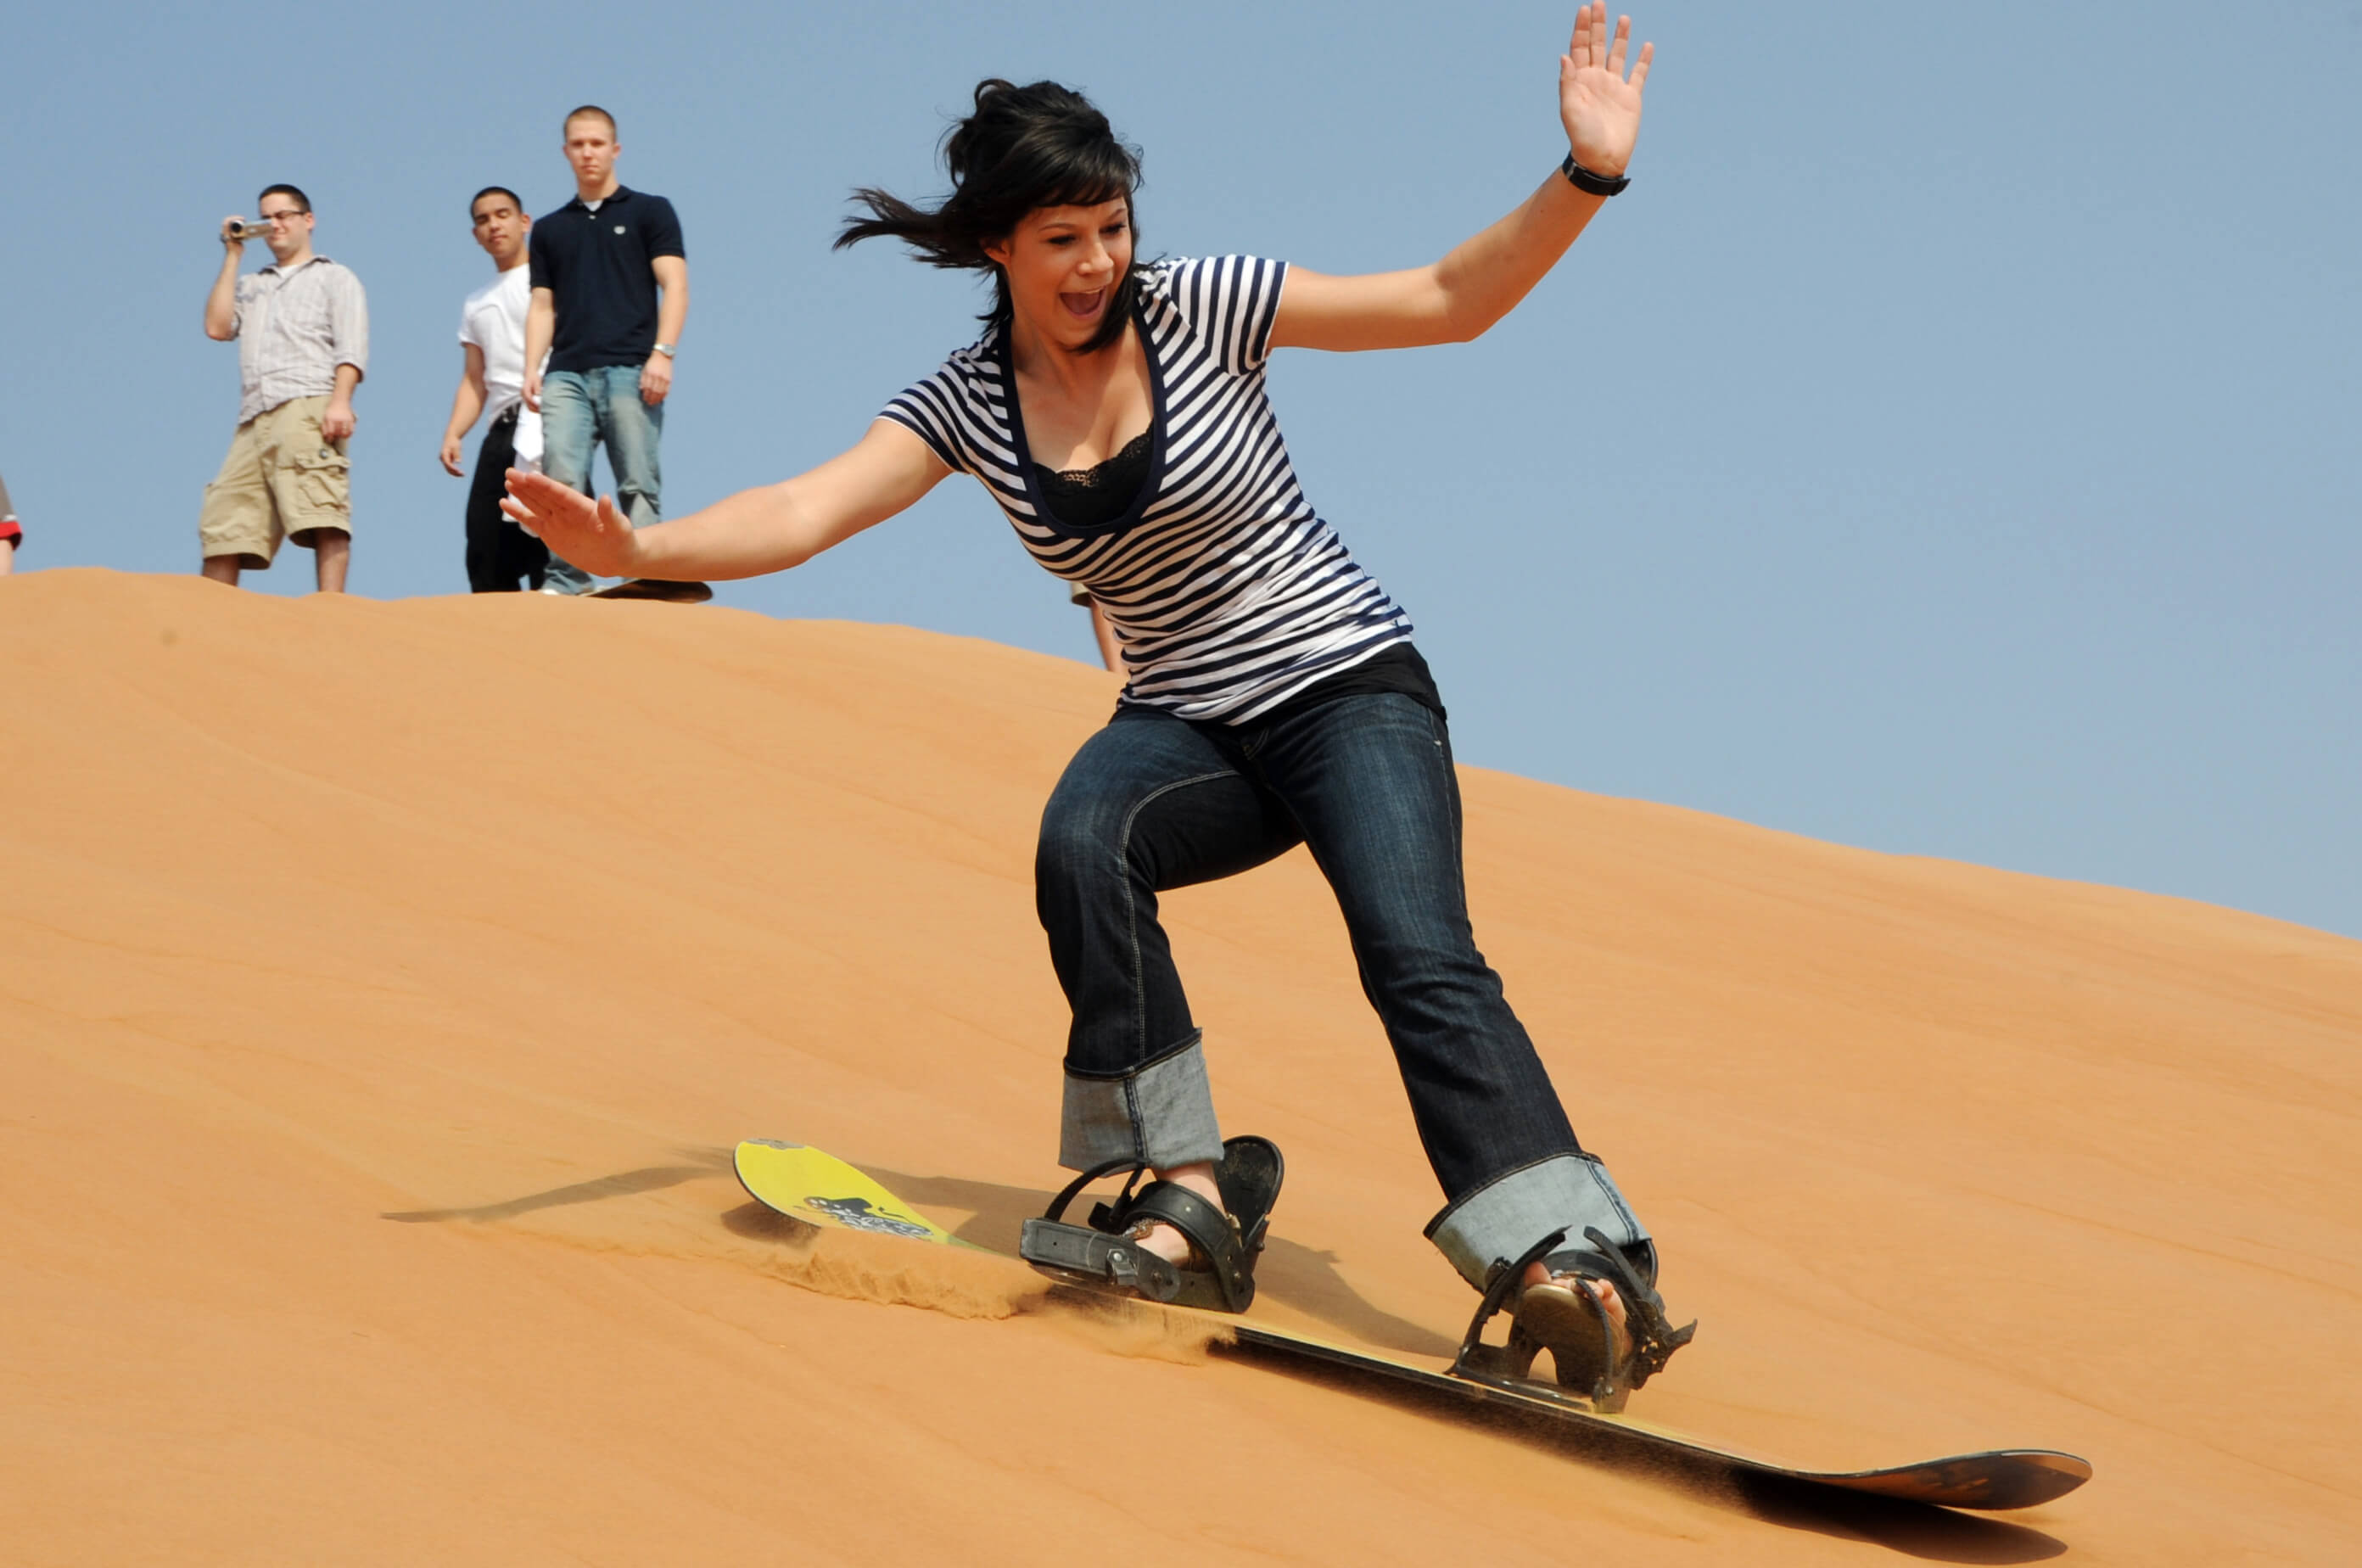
[1230, 594]
[293, 329]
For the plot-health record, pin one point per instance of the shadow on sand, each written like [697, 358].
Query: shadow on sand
[622, 1184]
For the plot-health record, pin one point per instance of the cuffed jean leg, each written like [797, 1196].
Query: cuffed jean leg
[1160, 1114]
[570, 424]
[1148, 804]
[1502, 1221]
[1370, 780]
[633, 430]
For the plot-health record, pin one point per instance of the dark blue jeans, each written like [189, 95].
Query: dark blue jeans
[1153, 802]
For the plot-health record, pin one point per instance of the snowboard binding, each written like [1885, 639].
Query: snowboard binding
[1569, 1321]
[1224, 1243]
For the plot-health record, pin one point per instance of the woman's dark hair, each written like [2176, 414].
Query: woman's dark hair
[1024, 147]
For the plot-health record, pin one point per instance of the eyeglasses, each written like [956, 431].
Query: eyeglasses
[289, 215]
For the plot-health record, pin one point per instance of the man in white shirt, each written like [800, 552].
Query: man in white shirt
[491, 379]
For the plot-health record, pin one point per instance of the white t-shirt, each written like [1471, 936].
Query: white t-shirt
[493, 320]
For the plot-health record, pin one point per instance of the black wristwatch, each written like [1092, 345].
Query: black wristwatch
[1591, 184]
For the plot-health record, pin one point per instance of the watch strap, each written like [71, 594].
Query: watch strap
[1591, 184]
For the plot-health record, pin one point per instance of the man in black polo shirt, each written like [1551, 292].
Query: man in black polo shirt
[599, 263]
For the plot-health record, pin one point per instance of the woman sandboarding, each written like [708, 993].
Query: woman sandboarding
[1115, 410]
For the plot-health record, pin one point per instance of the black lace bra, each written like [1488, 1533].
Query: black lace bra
[1087, 498]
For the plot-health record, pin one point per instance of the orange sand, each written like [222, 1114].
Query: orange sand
[385, 984]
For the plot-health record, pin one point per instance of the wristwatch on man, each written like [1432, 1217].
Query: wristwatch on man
[664, 349]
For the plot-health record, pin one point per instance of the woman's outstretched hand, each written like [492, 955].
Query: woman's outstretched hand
[594, 537]
[1600, 105]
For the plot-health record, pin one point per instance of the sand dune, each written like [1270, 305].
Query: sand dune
[385, 984]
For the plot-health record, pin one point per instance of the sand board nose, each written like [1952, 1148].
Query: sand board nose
[815, 1186]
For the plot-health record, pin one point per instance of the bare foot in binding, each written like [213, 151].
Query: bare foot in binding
[1606, 1302]
[1190, 1237]
[1596, 1310]
[1165, 1241]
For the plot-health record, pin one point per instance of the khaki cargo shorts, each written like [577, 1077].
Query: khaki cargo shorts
[280, 482]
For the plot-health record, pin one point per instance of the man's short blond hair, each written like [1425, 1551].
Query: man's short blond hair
[589, 109]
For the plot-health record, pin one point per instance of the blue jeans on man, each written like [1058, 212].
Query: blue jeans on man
[579, 409]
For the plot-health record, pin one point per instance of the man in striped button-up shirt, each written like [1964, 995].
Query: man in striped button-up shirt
[302, 328]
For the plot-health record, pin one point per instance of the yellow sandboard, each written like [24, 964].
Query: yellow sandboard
[817, 1187]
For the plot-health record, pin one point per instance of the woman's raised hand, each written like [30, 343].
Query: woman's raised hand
[1601, 105]
[594, 537]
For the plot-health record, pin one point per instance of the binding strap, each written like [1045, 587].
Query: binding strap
[1219, 1272]
[1654, 1338]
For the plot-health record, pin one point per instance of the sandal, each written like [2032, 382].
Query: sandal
[1219, 1273]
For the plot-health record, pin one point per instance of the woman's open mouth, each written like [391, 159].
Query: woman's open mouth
[1084, 305]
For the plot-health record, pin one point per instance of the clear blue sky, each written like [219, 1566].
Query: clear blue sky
[1948, 446]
